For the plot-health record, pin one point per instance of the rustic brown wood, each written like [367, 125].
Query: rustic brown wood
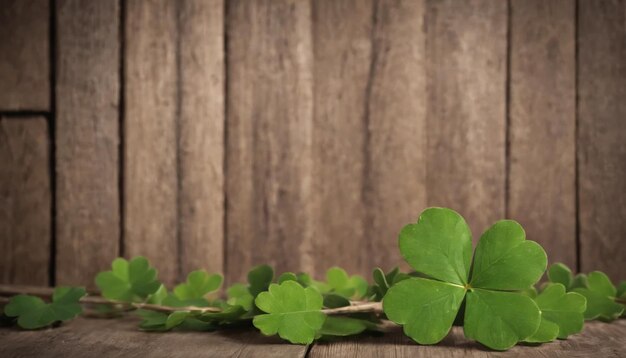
[466, 43]
[598, 340]
[121, 338]
[25, 207]
[270, 108]
[396, 177]
[343, 84]
[24, 55]
[601, 136]
[542, 115]
[201, 142]
[150, 135]
[87, 139]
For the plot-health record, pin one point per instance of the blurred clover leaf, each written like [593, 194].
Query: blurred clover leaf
[439, 246]
[32, 312]
[347, 286]
[601, 295]
[294, 312]
[129, 281]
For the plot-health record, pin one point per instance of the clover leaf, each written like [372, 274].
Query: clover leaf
[561, 313]
[294, 312]
[439, 246]
[159, 321]
[199, 284]
[32, 312]
[344, 285]
[259, 279]
[560, 273]
[130, 281]
[344, 326]
[238, 294]
[600, 294]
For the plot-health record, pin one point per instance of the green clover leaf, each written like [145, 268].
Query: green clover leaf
[32, 312]
[132, 281]
[259, 279]
[344, 285]
[560, 273]
[294, 312]
[561, 313]
[600, 294]
[439, 246]
[239, 295]
[199, 284]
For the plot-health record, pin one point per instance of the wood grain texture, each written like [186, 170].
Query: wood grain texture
[201, 142]
[598, 340]
[24, 55]
[122, 338]
[542, 117]
[87, 139]
[150, 130]
[270, 116]
[25, 200]
[466, 43]
[602, 136]
[395, 182]
[343, 83]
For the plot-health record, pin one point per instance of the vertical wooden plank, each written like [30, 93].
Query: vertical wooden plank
[87, 139]
[602, 136]
[542, 112]
[466, 46]
[269, 107]
[24, 55]
[343, 84]
[201, 143]
[396, 178]
[150, 129]
[25, 204]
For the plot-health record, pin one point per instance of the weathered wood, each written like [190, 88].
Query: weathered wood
[150, 135]
[598, 340]
[542, 113]
[24, 55]
[395, 181]
[343, 82]
[122, 338]
[25, 204]
[87, 139]
[270, 109]
[602, 136]
[466, 43]
[201, 142]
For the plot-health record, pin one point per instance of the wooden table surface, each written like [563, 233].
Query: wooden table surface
[121, 338]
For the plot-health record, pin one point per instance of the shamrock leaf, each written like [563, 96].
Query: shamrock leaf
[259, 279]
[560, 273]
[159, 321]
[199, 284]
[33, 312]
[345, 326]
[439, 246]
[128, 281]
[561, 313]
[600, 294]
[238, 294]
[344, 285]
[382, 281]
[294, 312]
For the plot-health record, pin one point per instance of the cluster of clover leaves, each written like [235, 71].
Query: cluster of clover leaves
[491, 292]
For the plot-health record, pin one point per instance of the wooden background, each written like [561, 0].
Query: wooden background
[304, 134]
